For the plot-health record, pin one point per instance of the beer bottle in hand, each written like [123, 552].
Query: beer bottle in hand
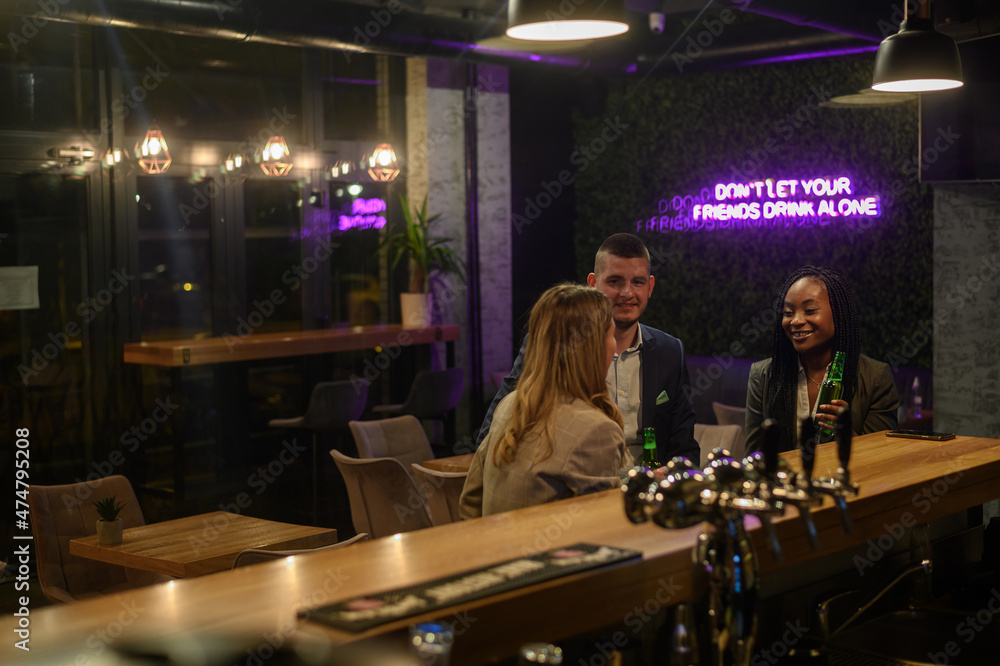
[831, 390]
[649, 458]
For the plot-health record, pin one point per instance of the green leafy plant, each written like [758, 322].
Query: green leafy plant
[108, 509]
[423, 253]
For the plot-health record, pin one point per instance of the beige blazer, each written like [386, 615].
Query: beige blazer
[588, 452]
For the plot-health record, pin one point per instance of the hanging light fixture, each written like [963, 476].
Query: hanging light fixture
[917, 58]
[342, 170]
[558, 20]
[233, 163]
[382, 164]
[274, 160]
[112, 158]
[152, 153]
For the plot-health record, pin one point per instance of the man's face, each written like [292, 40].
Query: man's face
[627, 284]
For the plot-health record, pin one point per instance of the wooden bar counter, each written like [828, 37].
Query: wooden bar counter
[925, 479]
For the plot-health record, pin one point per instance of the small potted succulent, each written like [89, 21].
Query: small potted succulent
[109, 527]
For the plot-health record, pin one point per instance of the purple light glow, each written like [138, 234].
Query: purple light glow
[808, 56]
[632, 69]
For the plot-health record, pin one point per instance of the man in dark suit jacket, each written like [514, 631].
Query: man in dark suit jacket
[646, 357]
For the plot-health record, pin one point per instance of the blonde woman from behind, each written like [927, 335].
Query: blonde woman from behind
[558, 434]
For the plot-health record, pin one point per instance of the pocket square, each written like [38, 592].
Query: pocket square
[662, 398]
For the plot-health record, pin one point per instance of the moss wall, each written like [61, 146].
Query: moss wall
[674, 136]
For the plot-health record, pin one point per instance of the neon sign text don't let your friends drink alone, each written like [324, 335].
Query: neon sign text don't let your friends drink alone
[768, 203]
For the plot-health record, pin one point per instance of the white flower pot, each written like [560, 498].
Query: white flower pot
[415, 309]
[109, 532]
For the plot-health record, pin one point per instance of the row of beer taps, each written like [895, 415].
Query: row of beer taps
[719, 496]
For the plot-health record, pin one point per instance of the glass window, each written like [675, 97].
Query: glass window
[211, 89]
[357, 214]
[44, 367]
[350, 88]
[175, 267]
[273, 252]
[39, 86]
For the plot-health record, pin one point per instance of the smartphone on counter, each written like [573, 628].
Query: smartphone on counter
[921, 434]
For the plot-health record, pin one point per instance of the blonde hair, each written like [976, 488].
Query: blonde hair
[564, 359]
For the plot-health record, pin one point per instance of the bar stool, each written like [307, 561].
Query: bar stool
[433, 394]
[332, 405]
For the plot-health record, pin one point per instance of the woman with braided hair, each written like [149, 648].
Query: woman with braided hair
[816, 317]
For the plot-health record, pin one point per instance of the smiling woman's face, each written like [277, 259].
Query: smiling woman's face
[808, 318]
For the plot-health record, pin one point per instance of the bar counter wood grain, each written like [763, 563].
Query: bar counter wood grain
[233, 348]
[893, 474]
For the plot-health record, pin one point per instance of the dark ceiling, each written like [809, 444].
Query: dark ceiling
[696, 34]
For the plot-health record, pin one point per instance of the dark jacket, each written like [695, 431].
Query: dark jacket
[664, 373]
[873, 407]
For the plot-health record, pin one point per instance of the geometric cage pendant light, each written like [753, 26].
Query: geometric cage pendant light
[559, 20]
[152, 153]
[382, 164]
[917, 58]
[275, 158]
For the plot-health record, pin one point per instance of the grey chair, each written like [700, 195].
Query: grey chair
[332, 405]
[65, 512]
[442, 491]
[257, 555]
[729, 414]
[402, 438]
[384, 498]
[730, 437]
[434, 394]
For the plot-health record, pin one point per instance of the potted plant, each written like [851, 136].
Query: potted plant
[424, 255]
[109, 527]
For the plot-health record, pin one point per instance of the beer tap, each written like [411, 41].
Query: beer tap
[720, 496]
[840, 486]
[784, 486]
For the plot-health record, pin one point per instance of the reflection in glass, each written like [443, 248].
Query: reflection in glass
[275, 269]
[175, 267]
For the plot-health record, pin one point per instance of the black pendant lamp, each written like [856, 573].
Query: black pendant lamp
[563, 20]
[918, 58]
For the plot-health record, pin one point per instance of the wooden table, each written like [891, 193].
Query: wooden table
[179, 354]
[260, 600]
[257, 346]
[458, 463]
[199, 545]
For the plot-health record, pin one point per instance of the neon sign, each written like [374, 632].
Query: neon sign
[364, 215]
[355, 214]
[768, 203]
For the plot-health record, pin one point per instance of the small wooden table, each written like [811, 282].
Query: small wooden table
[450, 464]
[199, 545]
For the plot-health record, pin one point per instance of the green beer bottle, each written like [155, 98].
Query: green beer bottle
[649, 449]
[831, 390]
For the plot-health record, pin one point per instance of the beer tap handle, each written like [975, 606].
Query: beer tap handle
[845, 516]
[808, 448]
[809, 525]
[772, 537]
[844, 437]
[770, 447]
